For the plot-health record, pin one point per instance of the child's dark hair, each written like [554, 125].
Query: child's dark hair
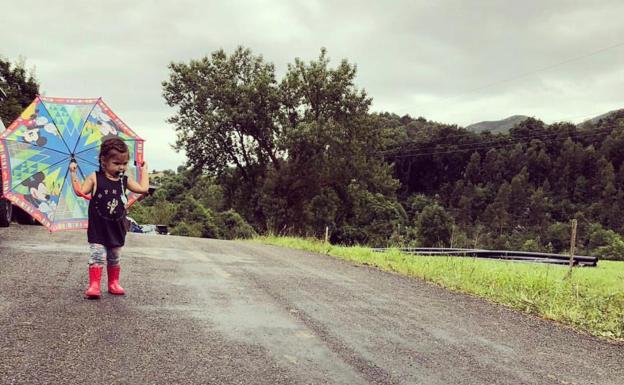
[110, 146]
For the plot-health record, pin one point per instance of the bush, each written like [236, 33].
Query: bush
[434, 226]
[531, 245]
[558, 236]
[607, 244]
[321, 211]
[187, 230]
[599, 237]
[161, 213]
[416, 203]
[192, 213]
[614, 251]
[349, 235]
[375, 216]
[230, 225]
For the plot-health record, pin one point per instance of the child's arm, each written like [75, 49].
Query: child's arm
[87, 185]
[143, 185]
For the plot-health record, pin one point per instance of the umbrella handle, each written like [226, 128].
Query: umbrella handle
[77, 188]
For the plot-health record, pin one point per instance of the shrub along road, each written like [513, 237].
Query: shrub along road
[208, 311]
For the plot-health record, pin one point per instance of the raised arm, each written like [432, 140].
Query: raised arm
[142, 186]
[87, 185]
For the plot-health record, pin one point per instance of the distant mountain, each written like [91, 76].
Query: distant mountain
[595, 120]
[497, 126]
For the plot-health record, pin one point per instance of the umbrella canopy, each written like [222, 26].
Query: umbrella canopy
[37, 148]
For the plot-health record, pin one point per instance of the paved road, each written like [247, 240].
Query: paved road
[202, 311]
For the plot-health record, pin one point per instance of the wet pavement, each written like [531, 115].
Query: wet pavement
[200, 311]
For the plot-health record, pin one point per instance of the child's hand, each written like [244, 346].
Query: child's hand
[72, 167]
[144, 167]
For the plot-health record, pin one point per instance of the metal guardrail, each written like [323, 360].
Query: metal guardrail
[523, 256]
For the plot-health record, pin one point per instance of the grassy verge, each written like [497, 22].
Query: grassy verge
[591, 300]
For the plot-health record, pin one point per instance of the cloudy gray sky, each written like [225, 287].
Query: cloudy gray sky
[450, 61]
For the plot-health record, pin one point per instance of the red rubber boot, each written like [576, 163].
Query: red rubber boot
[113, 280]
[95, 276]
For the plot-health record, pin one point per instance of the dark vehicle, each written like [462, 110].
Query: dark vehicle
[6, 208]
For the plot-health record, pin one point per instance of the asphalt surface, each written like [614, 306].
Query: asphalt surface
[200, 311]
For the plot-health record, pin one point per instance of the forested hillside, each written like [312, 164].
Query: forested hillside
[304, 153]
[517, 190]
[497, 126]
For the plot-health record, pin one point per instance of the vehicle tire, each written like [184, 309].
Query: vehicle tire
[6, 211]
[23, 218]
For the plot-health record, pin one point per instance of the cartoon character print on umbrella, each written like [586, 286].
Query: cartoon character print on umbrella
[34, 125]
[105, 124]
[39, 194]
[38, 147]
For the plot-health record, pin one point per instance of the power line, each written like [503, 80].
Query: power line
[481, 146]
[485, 145]
[525, 74]
[517, 139]
[469, 133]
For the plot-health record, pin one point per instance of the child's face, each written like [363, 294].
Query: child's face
[117, 163]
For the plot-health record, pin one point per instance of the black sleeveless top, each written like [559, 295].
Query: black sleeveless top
[107, 212]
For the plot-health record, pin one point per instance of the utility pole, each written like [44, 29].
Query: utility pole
[572, 245]
[452, 233]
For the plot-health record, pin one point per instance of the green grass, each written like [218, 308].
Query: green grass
[591, 300]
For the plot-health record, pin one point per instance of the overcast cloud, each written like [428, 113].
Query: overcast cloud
[455, 62]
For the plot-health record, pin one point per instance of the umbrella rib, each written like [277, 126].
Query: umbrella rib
[55, 126]
[50, 166]
[83, 126]
[85, 150]
[91, 148]
[125, 125]
[60, 195]
[88, 161]
[34, 145]
[80, 169]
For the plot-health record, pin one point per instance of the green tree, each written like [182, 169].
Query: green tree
[473, 169]
[415, 205]
[538, 208]
[497, 213]
[232, 226]
[18, 88]
[160, 212]
[520, 191]
[331, 140]
[321, 211]
[606, 182]
[372, 219]
[314, 92]
[582, 189]
[226, 110]
[434, 226]
[207, 192]
[493, 166]
[188, 230]
[538, 162]
[568, 167]
[191, 213]
[558, 235]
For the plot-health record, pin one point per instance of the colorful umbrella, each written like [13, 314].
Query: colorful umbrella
[37, 148]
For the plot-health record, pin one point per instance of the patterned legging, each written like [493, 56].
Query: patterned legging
[101, 252]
